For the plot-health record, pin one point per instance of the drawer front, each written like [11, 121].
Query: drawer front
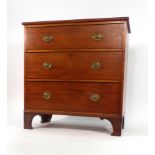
[74, 37]
[72, 96]
[74, 65]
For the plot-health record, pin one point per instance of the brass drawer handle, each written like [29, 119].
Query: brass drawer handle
[47, 38]
[97, 37]
[96, 65]
[47, 65]
[94, 97]
[46, 95]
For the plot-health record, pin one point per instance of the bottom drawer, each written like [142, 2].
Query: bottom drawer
[73, 97]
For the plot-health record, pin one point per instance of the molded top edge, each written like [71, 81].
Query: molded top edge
[80, 20]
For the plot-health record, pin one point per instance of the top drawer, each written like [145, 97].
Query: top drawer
[107, 36]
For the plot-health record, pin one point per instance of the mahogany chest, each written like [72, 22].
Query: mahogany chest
[76, 67]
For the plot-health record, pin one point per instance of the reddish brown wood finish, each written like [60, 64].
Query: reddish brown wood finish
[117, 126]
[71, 80]
[83, 21]
[75, 37]
[74, 97]
[28, 117]
[75, 65]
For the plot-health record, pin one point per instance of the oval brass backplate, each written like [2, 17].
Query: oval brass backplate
[47, 65]
[95, 65]
[97, 37]
[46, 95]
[95, 97]
[47, 38]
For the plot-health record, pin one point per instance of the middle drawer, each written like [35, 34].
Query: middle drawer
[74, 65]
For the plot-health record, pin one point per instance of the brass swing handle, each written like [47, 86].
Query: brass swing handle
[47, 38]
[95, 97]
[97, 37]
[47, 65]
[46, 95]
[95, 65]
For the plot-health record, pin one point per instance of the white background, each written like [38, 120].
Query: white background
[73, 133]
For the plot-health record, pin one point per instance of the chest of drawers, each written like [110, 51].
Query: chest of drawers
[76, 67]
